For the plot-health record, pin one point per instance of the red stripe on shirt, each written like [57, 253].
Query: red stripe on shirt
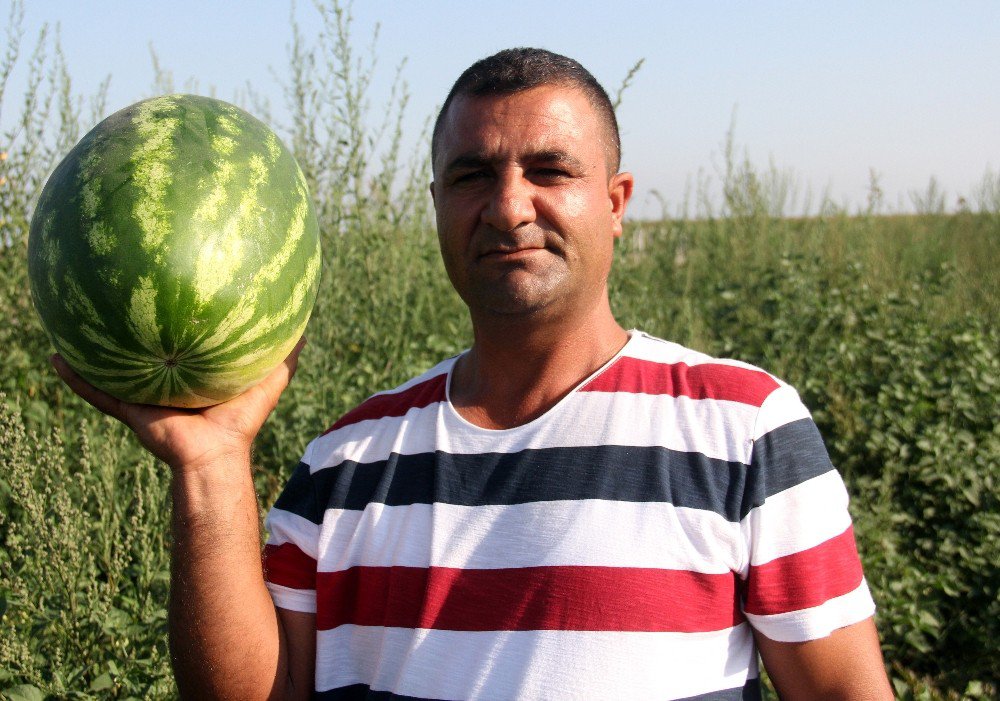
[288, 566]
[707, 381]
[805, 579]
[381, 406]
[528, 598]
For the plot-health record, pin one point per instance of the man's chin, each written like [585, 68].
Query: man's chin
[518, 292]
[512, 303]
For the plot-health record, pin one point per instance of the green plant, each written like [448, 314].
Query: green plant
[84, 568]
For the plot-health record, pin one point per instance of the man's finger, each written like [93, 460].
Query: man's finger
[102, 401]
[276, 382]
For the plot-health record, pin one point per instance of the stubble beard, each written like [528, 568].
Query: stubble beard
[519, 292]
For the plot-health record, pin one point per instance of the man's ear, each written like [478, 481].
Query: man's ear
[619, 193]
[433, 199]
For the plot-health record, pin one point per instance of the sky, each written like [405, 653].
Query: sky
[826, 92]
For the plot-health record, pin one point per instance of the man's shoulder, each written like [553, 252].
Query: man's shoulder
[417, 392]
[663, 350]
[658, 366]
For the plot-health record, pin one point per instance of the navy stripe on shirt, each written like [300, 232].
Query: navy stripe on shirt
[787, 456]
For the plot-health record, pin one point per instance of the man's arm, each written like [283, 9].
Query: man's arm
[227, 639]
[847, 664]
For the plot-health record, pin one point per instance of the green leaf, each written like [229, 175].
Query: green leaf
[24, 692]
[975, 689]
[928, 620]
[102, 682]
[972, 495]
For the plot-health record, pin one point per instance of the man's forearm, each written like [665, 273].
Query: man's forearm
[847, 664]
[224, 631]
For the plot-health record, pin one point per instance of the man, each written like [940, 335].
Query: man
[565, 510]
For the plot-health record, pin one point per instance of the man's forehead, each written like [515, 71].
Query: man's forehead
[533, 120]
[554, 104]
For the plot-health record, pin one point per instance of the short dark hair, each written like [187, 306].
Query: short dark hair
[514, 70]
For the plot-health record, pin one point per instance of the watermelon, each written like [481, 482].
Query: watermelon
[174, 254]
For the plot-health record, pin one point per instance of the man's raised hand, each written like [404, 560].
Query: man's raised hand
[187, 439]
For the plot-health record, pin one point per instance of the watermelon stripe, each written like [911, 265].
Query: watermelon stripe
[151, 172]
[142, 317]
[293, 237]
[78, 302]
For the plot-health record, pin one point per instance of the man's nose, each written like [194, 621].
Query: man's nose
[511, 203]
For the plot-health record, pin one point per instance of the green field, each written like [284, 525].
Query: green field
[885, 322]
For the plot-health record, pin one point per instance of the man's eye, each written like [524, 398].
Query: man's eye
[553, 172]
[469, 177]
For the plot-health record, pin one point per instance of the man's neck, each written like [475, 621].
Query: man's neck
[517, 371]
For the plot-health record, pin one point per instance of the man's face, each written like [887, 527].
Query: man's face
[527, 212]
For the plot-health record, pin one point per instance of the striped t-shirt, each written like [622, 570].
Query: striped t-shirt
[621, 545]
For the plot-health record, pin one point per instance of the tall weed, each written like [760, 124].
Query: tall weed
[84, 569]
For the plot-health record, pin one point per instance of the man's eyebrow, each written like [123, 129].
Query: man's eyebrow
[548, 156]
[468, 161]
[554, 157]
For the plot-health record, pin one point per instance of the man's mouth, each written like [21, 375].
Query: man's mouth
[511, 253]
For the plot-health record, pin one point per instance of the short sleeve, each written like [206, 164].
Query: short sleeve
[292, 545]
[804, 578]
